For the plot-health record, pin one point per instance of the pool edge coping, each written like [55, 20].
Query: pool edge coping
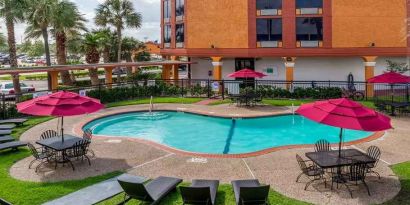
[79, 131]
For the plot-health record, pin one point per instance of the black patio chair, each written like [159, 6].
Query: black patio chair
[312, 172]
[152, 192]
[79, 150]
[88, 135]
[322, 146]
[250, 192]
[38, 156]
[374, 153]
[200, 192]
[357, 173]
[48, 134]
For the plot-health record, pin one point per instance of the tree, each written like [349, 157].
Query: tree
[92, 55]
[397, 67]
[130, 46]
[66, 21]
[106, 39]
[12, 11]
[119, 14]
[32, 49]
[2, 40]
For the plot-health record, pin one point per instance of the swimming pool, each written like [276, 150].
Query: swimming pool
[215, 135]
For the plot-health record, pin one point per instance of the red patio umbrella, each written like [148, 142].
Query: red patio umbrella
[60, 104]
[345, 114]
[246, 73]
[390, 78]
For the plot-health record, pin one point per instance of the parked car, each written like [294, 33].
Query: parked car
[5, 59]
[7, 89]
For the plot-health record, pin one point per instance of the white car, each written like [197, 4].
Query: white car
[7, 89]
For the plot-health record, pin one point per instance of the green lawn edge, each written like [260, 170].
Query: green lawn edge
[402, 170]
[156, 100]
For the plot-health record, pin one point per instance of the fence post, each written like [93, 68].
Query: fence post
[365, 90]
[209, 87]
[99, 90]
[223, 89]
[3, 98]
[182, 87]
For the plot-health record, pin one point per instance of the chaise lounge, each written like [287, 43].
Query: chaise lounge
[17, 121]
[7, 138]
[250, 191]
[152, 192]
[200, 192]
[12, 145]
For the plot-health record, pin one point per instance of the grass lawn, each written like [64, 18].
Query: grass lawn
[403, 171]
[225, 196]
[155, 100]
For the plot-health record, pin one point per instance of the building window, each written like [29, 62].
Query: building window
[309, 6]
[179, 35]
[167, 11]
[309, 31]
[269, 32]
[179, 8]
[167, 36]
[269, 7]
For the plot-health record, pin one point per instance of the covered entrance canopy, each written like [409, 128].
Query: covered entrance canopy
[55, 69]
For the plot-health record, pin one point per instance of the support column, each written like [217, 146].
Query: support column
[108, 76]
[175, 73]
[290, 67]
[53, 80]
[217, 64]
[369, 65]
[165, 72]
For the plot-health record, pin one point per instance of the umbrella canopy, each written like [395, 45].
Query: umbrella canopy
[60, 104]
[390, 78]
[345, 113]
[246, 73]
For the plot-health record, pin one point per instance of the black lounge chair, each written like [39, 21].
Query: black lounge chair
[7, 126]
[4, 202]
[250, 192]
[5, 132]
[12, 145]
[17, 121]
[152, 192]
[200, 192]
[7, 138]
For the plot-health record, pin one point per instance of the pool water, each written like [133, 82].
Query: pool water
[206, 134]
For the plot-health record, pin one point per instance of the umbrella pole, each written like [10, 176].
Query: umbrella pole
[340, 142]
[62, 128]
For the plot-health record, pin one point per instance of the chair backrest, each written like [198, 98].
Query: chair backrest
[301, 163]
[88, 134]
[358, 172]
[135, 190]
[322, 146]
[48, 134]
[33, 150]
[196, 195]
[374, 152]
[254, 195]
[80, 148]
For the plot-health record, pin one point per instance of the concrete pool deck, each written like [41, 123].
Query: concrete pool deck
[279, 168]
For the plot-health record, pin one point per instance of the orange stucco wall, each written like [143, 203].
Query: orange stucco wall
[357, 23]
[222, 23]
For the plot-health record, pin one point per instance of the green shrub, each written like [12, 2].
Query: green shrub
[300, 93]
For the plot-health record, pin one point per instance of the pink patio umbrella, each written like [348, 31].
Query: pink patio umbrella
[391, 78]
[246, 73]
[345, 114]
[60, 104]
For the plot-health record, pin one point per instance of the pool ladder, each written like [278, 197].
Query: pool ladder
[151, 105]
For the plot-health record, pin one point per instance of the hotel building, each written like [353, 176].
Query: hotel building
[292, 40]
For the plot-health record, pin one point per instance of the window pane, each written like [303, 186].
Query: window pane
[309, 4]
[309, 29]
[269, 29]
[179, 7]
[167, 34]
[268, 4]
[179, 33]
[167, 9]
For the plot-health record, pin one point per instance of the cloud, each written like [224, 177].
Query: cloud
[150, 10]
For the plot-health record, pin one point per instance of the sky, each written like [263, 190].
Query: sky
[150, 10]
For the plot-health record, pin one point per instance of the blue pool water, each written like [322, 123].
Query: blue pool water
[204, 134]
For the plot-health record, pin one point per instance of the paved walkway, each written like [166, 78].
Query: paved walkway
[279, 169]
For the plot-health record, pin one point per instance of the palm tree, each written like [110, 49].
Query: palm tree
[105, 38]
[67, 21]
[119, 14]
[92, 55]
[13, 11]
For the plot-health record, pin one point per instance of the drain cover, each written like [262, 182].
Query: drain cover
[197, 160]
[113, 141]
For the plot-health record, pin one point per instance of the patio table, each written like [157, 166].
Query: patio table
[331, 159]
[56, 144]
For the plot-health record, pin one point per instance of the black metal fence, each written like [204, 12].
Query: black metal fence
[208, 88]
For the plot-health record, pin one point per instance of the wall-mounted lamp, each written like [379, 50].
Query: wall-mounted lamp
[212, 46]
[372, 44]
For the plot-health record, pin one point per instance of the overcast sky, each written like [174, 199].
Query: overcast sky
[150, 10]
